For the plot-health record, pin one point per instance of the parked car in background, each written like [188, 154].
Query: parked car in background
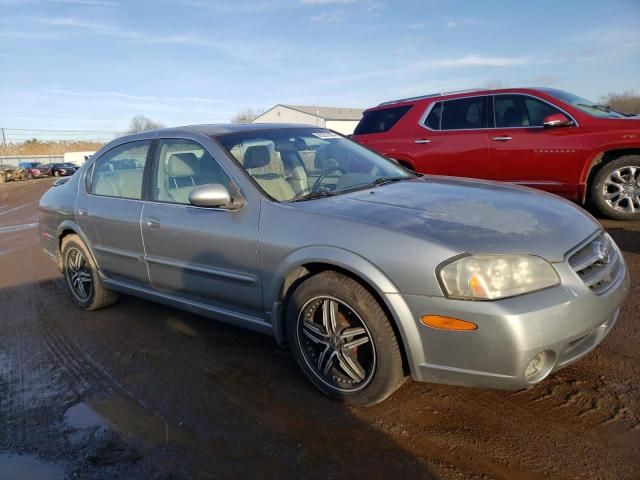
[9, 173]
[537, 137]
[77, 158]
[35, 169]
[368, 272]
[63, 169]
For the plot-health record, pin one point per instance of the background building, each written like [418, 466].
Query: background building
[343, 120]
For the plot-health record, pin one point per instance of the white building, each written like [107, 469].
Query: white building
[342, 120]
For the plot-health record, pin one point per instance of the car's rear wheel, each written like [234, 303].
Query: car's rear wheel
[342, 339]
[616, 188]
[81, 276]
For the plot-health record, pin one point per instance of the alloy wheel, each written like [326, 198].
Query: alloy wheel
[336, 344]
[78, 273]
[622, 189]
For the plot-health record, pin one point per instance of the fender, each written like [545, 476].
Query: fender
[69, 224]
[355, 264]
[596, 159]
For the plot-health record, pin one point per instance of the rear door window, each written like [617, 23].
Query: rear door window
[382, 120]
[119, 172]
[464, 114]
[435, 116]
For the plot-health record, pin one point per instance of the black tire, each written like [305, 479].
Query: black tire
[600, 189]
[97, 295]
[384, 371]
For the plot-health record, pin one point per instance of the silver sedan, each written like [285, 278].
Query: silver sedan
[367, 272]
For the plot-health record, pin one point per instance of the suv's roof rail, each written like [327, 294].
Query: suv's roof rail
[430, 95]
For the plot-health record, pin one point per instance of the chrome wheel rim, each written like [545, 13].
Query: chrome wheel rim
[622, 189]
[78, 275]
[336, 344]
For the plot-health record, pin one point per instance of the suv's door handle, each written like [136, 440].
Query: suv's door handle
[152, 222]
[422, 140]
[83, 212]
[505, 138]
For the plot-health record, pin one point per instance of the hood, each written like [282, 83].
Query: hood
[469, 216]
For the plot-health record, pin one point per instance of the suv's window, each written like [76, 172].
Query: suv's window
[119, 172]
[464, 113]
[520, 111]
[434, 117]
[181, 166]
[382, 120]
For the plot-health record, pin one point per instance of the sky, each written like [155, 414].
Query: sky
[94, 64]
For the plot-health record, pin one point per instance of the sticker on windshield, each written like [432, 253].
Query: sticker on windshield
[326, 135]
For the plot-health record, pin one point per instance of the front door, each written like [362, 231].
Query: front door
[523, 151]
[452, 139]
[108, 211]
[206, 254]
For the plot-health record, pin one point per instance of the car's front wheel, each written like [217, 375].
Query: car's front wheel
[342, 339]
[81, 276]
[616, 188]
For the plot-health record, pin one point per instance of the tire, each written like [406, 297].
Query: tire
[375, 364]
[97, 296]
[605, 191]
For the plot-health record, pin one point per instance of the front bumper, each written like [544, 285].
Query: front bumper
[566, 321]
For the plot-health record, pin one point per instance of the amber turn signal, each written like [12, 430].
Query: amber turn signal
[446, 323]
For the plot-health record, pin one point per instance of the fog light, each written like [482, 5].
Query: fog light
[539, 366]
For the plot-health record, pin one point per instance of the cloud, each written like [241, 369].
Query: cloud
[473, 61]
[330, 17]
[327, 2]
[460, 22]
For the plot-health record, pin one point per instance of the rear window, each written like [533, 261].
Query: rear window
[377, 121]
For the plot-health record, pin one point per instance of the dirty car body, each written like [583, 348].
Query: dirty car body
[302, 201]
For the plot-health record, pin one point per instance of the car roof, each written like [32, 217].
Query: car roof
[456, 94]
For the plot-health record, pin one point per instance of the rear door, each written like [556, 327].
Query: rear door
[108, 210]
[523, 151]
[451, 138]
[208, 255]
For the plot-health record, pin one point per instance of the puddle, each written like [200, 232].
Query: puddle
[25, 467]
[81, 416]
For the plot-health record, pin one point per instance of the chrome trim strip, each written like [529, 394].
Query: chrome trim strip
[238, 277]
[424, 116]
[118, 252]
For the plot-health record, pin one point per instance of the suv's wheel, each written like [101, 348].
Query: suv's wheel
[616, 188]
[81, 276]
[342, 340]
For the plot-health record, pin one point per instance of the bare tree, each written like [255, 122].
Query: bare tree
[247, 115]
[140, 123]
[625, 102]
[494, 84]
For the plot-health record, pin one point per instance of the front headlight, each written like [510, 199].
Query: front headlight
[489, 277]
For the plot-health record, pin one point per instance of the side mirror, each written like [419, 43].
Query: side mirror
[556, 120]
[211, 195]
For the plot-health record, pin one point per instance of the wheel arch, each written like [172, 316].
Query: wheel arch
[65, 229]
[598, 161]
[355, 267]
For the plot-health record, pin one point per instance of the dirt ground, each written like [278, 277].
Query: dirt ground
[142, 391]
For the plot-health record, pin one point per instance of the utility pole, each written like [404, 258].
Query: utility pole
[4, 138]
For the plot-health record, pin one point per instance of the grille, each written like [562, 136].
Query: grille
[598, 264]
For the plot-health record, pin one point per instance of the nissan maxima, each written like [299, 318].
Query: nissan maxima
[368, 273]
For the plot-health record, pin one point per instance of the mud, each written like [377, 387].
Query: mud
[143, 391]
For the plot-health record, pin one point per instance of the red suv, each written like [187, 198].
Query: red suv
[538, 137]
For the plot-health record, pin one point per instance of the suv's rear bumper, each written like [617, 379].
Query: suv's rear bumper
[567, 321]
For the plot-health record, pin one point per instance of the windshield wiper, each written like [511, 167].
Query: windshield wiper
[384, 180]
[595, 106]
[314, 195]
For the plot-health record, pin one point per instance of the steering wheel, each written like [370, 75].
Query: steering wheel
[324, 175]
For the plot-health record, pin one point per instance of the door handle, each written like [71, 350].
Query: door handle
[422, 140]
[152, 222]
[504, 138]
[83, 212]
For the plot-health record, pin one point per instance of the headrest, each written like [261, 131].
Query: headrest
[183, 165]
[256, 157]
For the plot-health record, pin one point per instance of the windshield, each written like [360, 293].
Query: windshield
[587, 106]
[291, 164]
